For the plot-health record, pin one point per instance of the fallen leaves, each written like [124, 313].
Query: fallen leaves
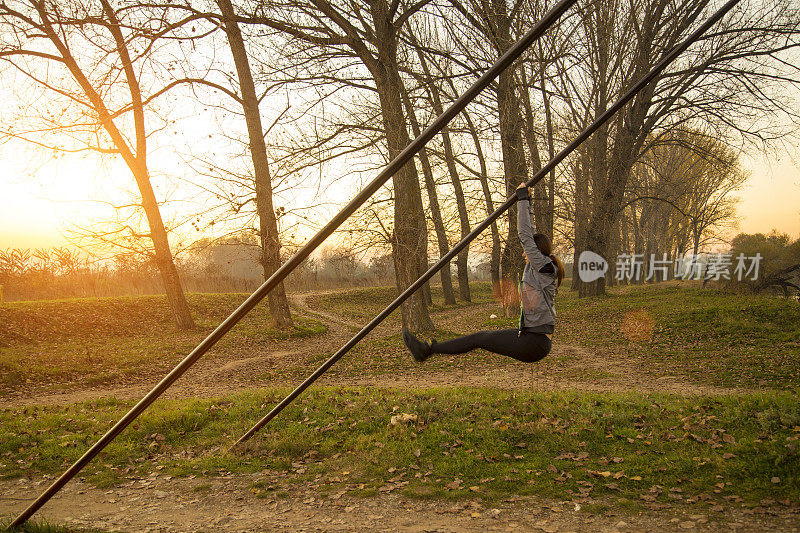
[652, 493]
[580, 456]
[403, 418]
[453, 485]
[607, 474]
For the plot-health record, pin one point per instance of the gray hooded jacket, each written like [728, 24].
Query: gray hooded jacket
[538, 287]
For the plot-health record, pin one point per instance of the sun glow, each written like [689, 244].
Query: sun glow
[43, 199]
[771, 198]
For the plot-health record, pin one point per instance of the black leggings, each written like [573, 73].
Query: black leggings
[526, 347]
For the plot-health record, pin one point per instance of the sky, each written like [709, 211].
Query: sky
[771, 199]
[41, 199]
[39, 202]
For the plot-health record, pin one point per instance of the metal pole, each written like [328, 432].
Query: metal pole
[675, 52]
[395, 165]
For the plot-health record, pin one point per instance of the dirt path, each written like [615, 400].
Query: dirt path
[161, 503]
[568, 367]
[216, 376]
[334, 322]
[604, 372]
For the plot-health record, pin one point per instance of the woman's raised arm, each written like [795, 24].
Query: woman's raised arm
[525, 229]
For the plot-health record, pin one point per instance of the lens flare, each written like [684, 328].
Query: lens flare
[637, 325]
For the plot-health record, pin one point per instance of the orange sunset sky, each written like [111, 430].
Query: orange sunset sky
[40, 202]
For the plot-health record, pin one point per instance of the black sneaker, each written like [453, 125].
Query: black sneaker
[420, 350]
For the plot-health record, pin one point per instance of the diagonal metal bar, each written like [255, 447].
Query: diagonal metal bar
[395, 165]
[632, 92]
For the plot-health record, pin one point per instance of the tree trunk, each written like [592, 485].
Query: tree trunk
[549, 227]
[166, 266]
[494, 261]
[598, 149]
[638, 240]
[624, 240]
[540, 201]
[409, 219]
[433, 204]
[631, 128]
[514, 164]
[422, 268]
[136, 161]
[268, 224]
[582, 211]
[648, 252]
[462, 260]
[608, 201]
[625, 244]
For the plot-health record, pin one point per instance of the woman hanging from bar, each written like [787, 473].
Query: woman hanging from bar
[540, 281]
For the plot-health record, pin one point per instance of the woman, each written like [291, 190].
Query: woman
[540, 281]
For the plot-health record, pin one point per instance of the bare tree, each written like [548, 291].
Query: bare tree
[369, 33]
[433, 204]
[493, 20]
[268, 225]
[481, 173]
[90, 61]
[727, 76]
[686, 185]
[435, 98]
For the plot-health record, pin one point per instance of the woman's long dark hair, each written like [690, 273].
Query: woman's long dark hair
[545, 246]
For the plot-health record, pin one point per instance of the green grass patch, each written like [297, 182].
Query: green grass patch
[714, 336]
[710, 336]
[460, 443]
[100, 340]
[362, 305]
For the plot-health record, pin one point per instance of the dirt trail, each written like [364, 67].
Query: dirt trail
[334, 322]
[578, 368]
[161, 503]
[215, 376]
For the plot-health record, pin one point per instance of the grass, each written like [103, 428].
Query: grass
[361, 305]
[101, 340]
[634, 449]
[387, 355]
[627, 451]
[713, 336]
[106, 340]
